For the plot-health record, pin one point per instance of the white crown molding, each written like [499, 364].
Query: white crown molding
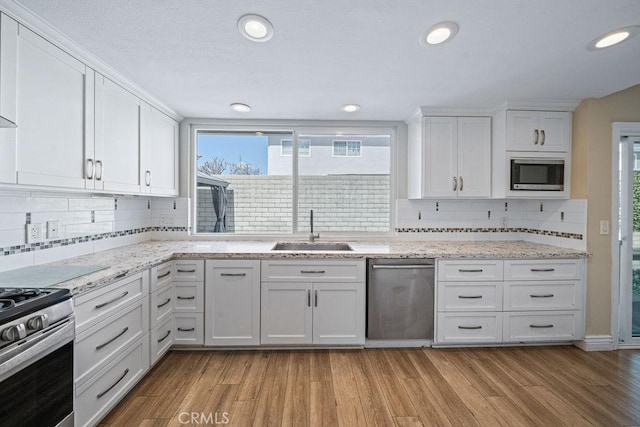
[541, 104]
[457, 111]
[41, 27]
[596, 343]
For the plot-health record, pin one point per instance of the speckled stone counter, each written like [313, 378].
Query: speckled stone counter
[127, 260]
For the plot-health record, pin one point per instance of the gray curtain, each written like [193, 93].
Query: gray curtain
[220, 207]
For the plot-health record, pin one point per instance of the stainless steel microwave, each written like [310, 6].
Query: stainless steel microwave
[537, 174]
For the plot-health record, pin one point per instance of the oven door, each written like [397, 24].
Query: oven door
[36, 382]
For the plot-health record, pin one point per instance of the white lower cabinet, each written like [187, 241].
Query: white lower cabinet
[313, 312]
[189, 328]
[469, 327]
[232, 295]
[537, 326]
[161, 339]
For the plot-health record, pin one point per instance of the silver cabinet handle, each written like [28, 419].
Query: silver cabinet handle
[186, 298]
[405, 266]
[90, 169]
[164, 337]
[233, 274]
[162, 276]
[186, 329]
[469, 327]
[543, 135]
[315, 298]
[124, 374]
[461, 183]
[101, 346]
[542, 270]
[541, 296]
[312, 271]
[470, 296]
[147, 178]
[455, 184]
[187, 271]
[467, 270]
[536, 136]
[309, 298]
[104, 304]
[165, 303]
[99, 163]
[541, 326]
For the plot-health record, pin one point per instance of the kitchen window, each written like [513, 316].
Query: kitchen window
[262, 182]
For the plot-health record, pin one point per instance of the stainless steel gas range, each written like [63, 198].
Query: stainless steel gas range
[36, 357]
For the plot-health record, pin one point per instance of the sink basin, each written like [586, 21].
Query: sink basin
[300, 246]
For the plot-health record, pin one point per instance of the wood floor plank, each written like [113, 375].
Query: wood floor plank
[509, 412]
[553, 403]
[408, 422]
[321, 366]
[322, 409]
[376, 410]
[394, 393]
[270, 405]
[297, 397]
[253, 376]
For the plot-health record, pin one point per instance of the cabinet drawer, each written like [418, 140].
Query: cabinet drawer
[103, 391]
[185, 270]
[547, 326]
[97, 305]
[95, 346]
[161, 305]
[161, 338]
[560, 295]
[189, 297]
[313, 271]
[161, 276]
[189, 328]
[465, 296]
[469, 328]
[560, 269]
[468, 270]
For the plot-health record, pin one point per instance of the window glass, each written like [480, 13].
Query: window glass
[347, 148]
[304, 147]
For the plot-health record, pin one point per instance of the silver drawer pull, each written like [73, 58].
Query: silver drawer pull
[463, 270]
[104, 304]
[187, 271]
[124, 374]
[541, 295]
[101, 346]
[469, 296]
[164, 275]
[186, 297]
[164, 337]
[308, 297]
[398, 267]
[233, 274]
[541, 326]
[312, 271]
[469, 327]
[186, 329]
[542, 270]
[165, 303]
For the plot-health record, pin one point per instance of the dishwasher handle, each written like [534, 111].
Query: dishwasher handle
[405, 266]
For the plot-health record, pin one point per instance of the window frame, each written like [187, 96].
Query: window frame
[191, 127]
[282, 154]
[347, 141]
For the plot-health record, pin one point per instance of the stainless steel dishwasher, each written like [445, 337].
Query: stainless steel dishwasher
[400, 299]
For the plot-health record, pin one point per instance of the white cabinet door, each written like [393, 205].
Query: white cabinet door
[539, 131]
[441, 157]
[159, 145]
[233, 303]
[117, 137]
[521, 130]
[54, 116]
[474, 157]
[286, 313]
[555, 128]
[338, 313]
[8, 79]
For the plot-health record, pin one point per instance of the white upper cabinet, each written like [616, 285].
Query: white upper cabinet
[455, 158]
[159, 148]
[54, 116]
[539, 131]
[117, 138]
[8, 76]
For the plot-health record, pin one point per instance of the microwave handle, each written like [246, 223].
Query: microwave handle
[536, 136]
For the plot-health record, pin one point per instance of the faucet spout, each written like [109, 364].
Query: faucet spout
[312, 237]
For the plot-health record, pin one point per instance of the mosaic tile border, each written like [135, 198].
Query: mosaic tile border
[492, 230]
[12, 250]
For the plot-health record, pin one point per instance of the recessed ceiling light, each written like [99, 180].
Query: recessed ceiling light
[350, 108]
[612, 38]
[240, 108]
[439, 33]
[255, 27]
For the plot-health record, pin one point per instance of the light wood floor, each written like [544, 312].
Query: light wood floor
[541, 386]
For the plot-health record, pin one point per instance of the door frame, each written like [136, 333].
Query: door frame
[619, 130]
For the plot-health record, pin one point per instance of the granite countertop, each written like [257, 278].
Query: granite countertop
[130, 259]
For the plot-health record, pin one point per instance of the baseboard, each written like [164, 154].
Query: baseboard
[596, 343]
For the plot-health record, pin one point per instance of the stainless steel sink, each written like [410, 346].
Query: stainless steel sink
[316, 246]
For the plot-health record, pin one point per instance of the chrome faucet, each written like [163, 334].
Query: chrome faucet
[312, 237]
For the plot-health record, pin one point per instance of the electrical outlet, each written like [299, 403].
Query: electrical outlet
[167, 220]
[52, 229]
[34, 233]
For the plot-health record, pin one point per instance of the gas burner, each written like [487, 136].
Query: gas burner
[17, 302]
[6, 303]
[19, 295]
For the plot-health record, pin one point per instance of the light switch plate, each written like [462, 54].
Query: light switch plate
[604, 227]
[53, 229]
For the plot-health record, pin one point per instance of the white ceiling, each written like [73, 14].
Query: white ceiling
[325, 53]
